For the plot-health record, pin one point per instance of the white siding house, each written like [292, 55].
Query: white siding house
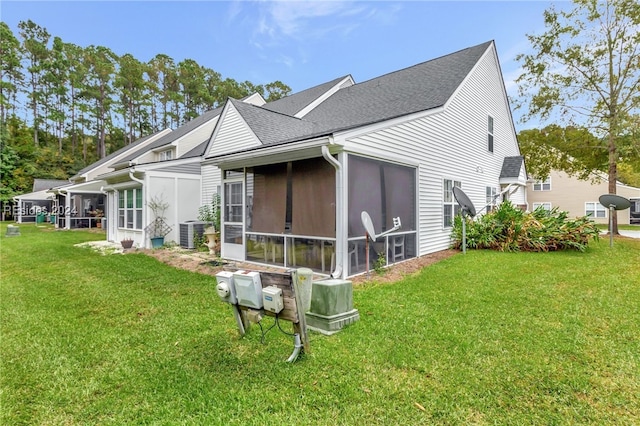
[297, 173]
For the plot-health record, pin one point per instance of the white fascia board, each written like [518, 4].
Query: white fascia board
[254, 99]
[115, 174]
[162, 164]
[86, 187]
[38, 195]
[324, 97]
[269, 155]
[221, 118]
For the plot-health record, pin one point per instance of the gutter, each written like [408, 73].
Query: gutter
[133, 178]
[340, 240]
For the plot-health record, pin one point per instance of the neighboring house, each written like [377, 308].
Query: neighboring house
[295, 174]
[80, 203]
[581, 197]
[168, 170]
[29, 207]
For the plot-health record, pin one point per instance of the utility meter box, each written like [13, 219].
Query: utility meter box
[225, 287]
[272, 299]
[248, 289]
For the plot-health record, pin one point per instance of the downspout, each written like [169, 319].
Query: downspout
[337, 273]
[133, 178]
[67, 208]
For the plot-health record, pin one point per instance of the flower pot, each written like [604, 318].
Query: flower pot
[126, 244]
[157, 242]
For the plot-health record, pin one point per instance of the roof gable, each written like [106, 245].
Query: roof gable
[131, 148]
[511, 167]
[174, 136]
[296, 103]
[271, 127]
[339, 105]
[418, 88]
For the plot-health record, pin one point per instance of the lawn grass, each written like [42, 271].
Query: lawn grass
[481, 338]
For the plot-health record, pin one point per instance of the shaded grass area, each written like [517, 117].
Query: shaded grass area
[481, 338]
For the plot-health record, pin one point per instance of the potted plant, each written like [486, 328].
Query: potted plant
[210, 213]
[98, 215]
[126, 243]
[158, 228]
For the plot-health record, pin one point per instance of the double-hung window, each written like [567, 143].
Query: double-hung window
[595, 210]
[130, 208]
[450, 206]
[542, 185]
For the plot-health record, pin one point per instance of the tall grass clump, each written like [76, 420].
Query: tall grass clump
[510, 229]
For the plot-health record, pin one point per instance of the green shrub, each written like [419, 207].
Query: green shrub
[511, 229]
[380, 264]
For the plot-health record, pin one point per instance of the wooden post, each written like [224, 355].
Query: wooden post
[300, 327]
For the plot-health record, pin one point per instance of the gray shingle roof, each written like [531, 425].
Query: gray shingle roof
[114, 154]
[272, 127]
[197, 151]
[292, 104]
[418, 88]
[42, 184]
[511, 167]
[415, 89]
[176, 134]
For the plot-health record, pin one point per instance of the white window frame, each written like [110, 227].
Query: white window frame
[450, 208]
[542, 185]
[165, 155]
[134, 213]
[490, 138]
[491, 194]
[545, 205]
[595, 210]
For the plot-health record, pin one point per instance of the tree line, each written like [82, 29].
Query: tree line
[83, 96]
[64, 106]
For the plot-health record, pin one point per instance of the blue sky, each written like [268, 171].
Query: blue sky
[301, 43]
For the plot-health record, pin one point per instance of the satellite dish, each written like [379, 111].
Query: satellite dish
[368, 225]
[464, 201]
[614, 201]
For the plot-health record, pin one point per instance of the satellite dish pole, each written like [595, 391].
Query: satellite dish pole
[613, 202]
[370, 232]
[466, 207]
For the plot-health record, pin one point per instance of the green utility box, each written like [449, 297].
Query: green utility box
[331, 306]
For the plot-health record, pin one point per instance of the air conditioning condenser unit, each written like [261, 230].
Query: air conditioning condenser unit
[188, 230]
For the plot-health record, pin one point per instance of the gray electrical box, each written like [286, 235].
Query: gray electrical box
[272, 299]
